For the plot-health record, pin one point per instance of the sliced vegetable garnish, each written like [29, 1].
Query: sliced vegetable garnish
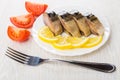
[23, 21]
[18, 34]
[35, 8]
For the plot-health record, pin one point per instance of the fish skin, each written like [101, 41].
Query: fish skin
[95, 25]
[81, 22]
[54, 25]
[70, 26]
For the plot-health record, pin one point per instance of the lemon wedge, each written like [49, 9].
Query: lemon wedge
[46, 35]
[62, 43]
[93, 41]
[77, 42]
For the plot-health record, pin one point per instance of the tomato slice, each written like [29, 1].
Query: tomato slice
[45, 7]
[23, 21]
[18, 34]
[35, 8]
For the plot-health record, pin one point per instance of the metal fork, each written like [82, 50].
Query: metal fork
[34, 61]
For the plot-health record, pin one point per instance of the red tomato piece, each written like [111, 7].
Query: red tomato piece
[18, 34]
[45, 7]
[23, 21]
[35, 8]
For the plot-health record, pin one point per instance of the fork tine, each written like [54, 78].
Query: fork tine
[15, 59]
[12, 54]
[18, 52]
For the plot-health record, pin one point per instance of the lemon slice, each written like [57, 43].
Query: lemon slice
[68, 42]
[93, 41]
[62, 43]
[77, 42]
[46, 35]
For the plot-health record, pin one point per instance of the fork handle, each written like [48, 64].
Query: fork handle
[103, 67]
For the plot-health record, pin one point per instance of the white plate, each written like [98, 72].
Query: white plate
[73, 52]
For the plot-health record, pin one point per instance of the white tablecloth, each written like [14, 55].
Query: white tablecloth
[110, 52]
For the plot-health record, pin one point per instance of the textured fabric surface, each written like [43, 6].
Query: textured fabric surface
[110, 52]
